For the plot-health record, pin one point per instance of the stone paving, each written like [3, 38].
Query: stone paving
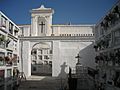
[41, 83]
[52, 83]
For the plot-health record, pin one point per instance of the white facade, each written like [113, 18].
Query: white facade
[8, 51]
[64, 42]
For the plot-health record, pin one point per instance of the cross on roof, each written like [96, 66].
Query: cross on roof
[42, 26]
[78, 56]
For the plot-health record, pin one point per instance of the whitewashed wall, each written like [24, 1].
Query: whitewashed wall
[65, 53]
[72, 29]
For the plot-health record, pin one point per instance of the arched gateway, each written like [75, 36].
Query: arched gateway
[44, 47]
[41, 59]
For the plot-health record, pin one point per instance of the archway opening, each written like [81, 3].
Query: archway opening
[41, 59]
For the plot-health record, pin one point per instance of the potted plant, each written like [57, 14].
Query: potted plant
[8, 60]
[2, 37]
[1, 61]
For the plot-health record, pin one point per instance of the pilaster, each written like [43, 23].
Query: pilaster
[7, 26]
[56, 61]
[26, 58]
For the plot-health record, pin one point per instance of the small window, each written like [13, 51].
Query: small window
[41, 51]
[46, 57]
[2, 73]
[50, 51]
[10, 27]
[69, 34]
[34, 68]
[50, 62]
[9, 72]
[40, 57]
[3, 21]
[46, 62]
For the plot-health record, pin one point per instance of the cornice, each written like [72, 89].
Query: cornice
[52, 38]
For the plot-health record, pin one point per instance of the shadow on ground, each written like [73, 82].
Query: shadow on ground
[40, 83]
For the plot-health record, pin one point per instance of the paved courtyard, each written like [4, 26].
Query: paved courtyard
[52, 83]
[41, 83]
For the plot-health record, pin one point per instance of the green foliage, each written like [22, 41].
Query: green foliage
[2, 38]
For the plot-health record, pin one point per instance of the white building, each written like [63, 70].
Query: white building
[54, 47]
[8, 52]
[107, 37]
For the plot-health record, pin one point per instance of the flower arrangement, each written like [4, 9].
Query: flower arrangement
[2, 38]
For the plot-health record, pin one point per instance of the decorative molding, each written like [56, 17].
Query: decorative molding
[51, 38]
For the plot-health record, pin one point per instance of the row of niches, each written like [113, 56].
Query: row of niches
[11, 74]
[117, 37]
[6, 24]
[10, 59]
[7, 42]
[112, 39]
[41, 57]
[41, 51]
[82, 35]
[110, 20]
[104, 43]
[111, 58]
[111, 77]
[42, 62]
[2, 41]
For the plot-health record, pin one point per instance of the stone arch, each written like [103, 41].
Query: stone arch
[40, 58]
[39, 43]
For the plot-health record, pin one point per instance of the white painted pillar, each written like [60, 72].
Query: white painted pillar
[26, 58]
[37, 56]
[7, 25]
[56, 61]
[36, 26]
[13, 30]
[32, 25]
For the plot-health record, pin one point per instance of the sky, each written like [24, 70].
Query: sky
[74, 11]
